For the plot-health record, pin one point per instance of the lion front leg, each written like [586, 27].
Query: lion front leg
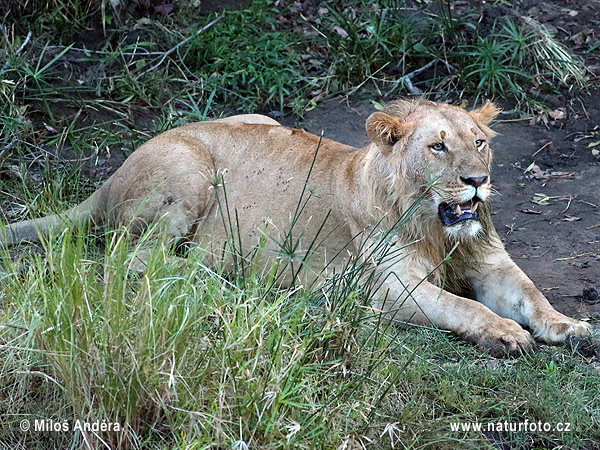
[503, 287]
[416, 301]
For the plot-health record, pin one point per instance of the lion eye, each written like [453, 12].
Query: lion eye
[439, 147]
[479, 143]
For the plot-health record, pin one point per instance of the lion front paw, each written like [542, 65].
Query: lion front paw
[558, 328]
[503, 338]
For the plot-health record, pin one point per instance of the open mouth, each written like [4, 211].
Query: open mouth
[453, 214]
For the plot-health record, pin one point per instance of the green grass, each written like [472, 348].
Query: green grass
[183, 357]
[260, 66]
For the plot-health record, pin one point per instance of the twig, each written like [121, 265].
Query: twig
[593, 226]
[578, 256]
[588, 203]
[542, 148]
[108, 52]
[19, 50]
[312, 26]
[568, 204]
[168, 52]
[587, 116]
[369, 77]
[513, 120]
[406, 80]
[535, 256]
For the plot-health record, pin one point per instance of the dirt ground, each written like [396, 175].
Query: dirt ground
[549, 216]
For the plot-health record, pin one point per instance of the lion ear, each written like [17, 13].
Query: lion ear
[386, 130]
[485, 114]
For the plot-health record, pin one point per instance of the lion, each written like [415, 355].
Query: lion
[427, 162]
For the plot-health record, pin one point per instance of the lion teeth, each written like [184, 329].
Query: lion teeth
[458, 211]
[474, 207]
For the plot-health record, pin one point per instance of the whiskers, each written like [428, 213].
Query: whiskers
[454, 195]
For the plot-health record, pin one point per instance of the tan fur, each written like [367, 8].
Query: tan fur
[353, 196]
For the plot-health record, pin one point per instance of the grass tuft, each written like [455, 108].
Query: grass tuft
[552, 57]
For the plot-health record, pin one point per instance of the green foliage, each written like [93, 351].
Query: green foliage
[373, 43]
[54, 16]
[247, 60]
[182, 344]
[490, 67]
[182, 355]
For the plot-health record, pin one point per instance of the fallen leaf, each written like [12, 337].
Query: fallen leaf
[339, 30]
[557, 114]
[164, 9]
[378, 106]
[595, 152]
[536, 172]
[543, 175]
[493, 364]
[531, 211]
[531, 166]
[569, 218]
[50, 128]
[593, 144]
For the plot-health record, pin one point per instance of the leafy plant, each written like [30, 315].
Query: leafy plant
[54, 16]
[247, 60]
[491, 67]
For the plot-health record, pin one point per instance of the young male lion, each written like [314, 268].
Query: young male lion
[431, 157]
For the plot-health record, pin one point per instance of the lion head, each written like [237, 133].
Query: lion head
[442, 149]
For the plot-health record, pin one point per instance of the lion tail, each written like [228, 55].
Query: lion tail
[88, 211]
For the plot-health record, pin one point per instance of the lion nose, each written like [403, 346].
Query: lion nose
[474, 181]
